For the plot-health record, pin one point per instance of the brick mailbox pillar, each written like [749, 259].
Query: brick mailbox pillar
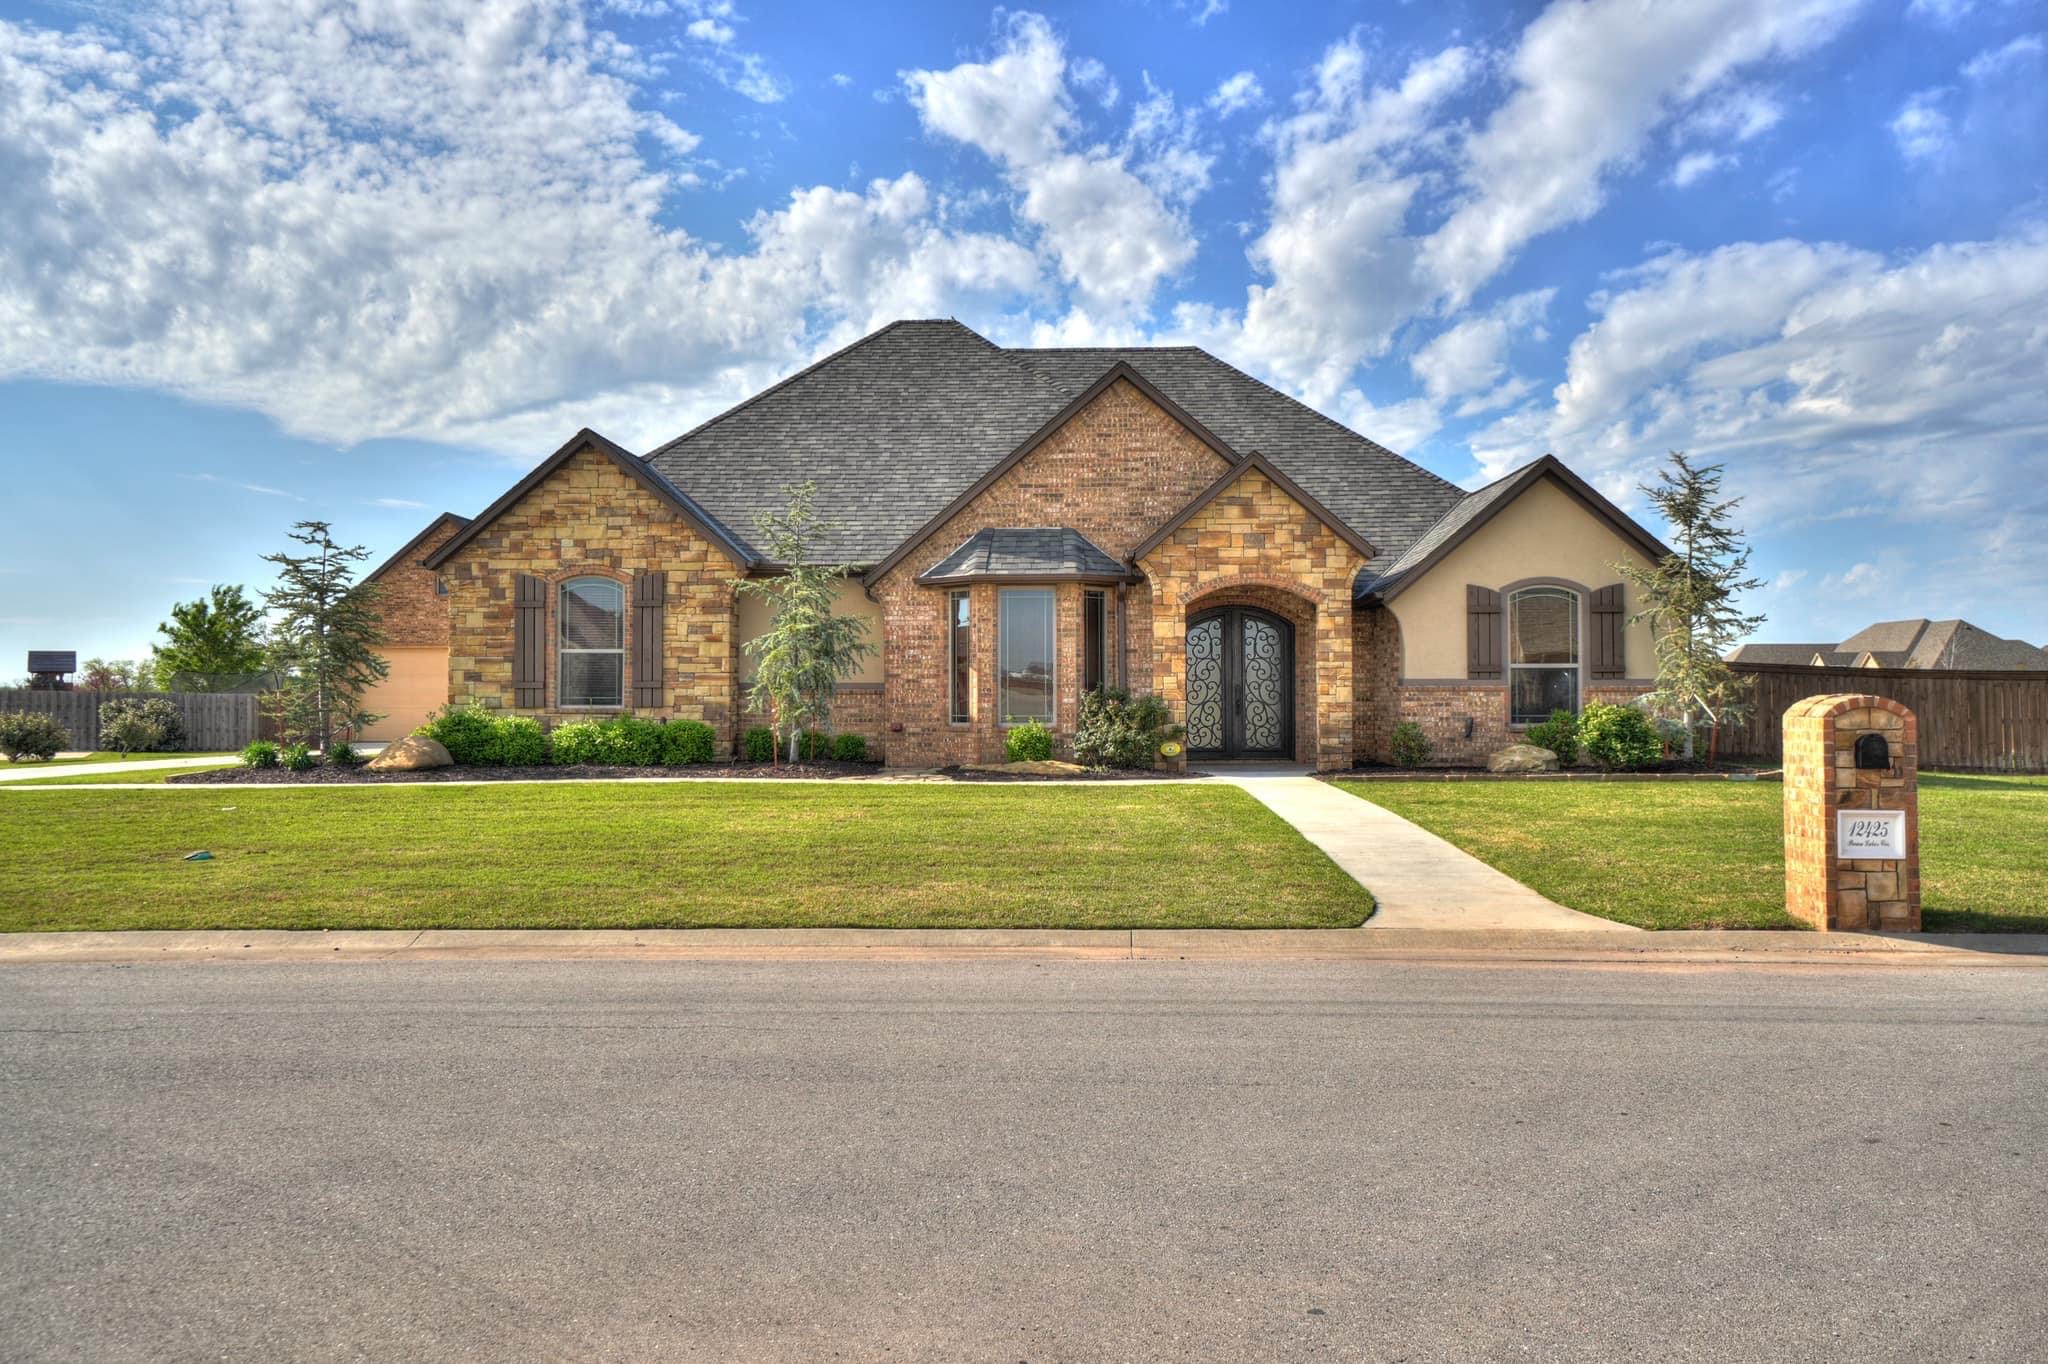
[1852, 814]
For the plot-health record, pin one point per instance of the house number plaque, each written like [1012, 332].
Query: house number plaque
[1874, 835]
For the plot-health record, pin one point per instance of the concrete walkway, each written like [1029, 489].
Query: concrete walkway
[32, 770]
[1420, 880]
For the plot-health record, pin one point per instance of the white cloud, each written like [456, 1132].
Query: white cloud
[1743, 113]
[397, 504]
[1698, 165]
[2000, 61]
[1091, 75]
[1471, 357]
[1921, 128]
[710, 31]
[1209, 10]
[1101, 212]
[1791, 577]
[262, 489]
[1945, 12]
[841, 79]
[1241, 91]
[193, 208]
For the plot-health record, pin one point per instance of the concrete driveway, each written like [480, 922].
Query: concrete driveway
[1024, 1161]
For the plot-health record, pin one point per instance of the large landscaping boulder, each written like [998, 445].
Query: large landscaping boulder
[1522, 758]
[414, 753]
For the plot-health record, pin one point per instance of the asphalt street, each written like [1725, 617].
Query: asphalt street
[1022, 1161]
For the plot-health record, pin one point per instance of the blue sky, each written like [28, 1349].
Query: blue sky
[366, 262]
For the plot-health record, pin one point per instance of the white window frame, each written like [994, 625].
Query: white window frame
[1577, 667]
[1052, 681]
[563, 651]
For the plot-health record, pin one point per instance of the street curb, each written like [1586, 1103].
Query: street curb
[1675, 948]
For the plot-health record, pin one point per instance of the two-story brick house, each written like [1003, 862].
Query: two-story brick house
[1027, 524]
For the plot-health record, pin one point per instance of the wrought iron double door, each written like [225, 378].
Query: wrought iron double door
[1240, 684]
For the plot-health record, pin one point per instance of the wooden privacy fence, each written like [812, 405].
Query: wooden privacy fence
[214, 721]
[1975, 721]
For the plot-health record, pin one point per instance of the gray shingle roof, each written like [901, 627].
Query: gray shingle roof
[1025, 552]
[1383, 572]
[1920, 643]
[1801, 654]
[895, 426]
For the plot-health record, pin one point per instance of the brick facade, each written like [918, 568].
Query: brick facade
[1821, 779]
[415, 613]
[590, 519]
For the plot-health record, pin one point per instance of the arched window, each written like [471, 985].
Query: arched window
[593, 643]
[1543, 653]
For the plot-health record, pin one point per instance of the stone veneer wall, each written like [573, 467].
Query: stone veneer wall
[1821, 777]
[1255, 535]
[589, 518]
[415, 615]
[1115, 472]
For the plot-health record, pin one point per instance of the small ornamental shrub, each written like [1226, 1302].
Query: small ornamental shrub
[758, 744]
[1118, 730]
[1030, 742]
[31, 734]
[579, 741]
[1619, 738]
[161, 729]
[1411, 745]
[629, 741]
[343, 754]
[469, 733]
[298, 758]
[262, 753]
[813, 744]
[1559, 734]
[850, 748]
[686, 741]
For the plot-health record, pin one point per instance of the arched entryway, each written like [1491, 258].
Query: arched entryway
[1240, 689]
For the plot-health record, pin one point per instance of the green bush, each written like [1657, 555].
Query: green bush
[31, 734]
[469, 733]
[758, 744]
[135, 724]
[343, 755]
[813, 744]
[262, 753]
[579, 741]
[519, 742]
[621, 741]
[298, 758]
[850, 748]
[1559, 734]
[1619, 738]
[1118, 730]
[1411, 745]
[686, 741]
[1029, 742]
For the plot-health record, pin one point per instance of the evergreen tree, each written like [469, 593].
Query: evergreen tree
[215, 641]
[807, 648]
[323, 638]
[1689, 597]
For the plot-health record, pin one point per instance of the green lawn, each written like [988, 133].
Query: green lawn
[150, 778]
[714, 854]
[1711, 854]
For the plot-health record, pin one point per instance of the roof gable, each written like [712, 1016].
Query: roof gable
[1254, 463]
[405, 551]
[635, 468]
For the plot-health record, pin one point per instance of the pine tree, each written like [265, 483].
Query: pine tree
[1689, 597]
[323, 638]
[807, 648]
[216, 640]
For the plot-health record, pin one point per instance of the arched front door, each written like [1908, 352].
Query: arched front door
[1240, 684]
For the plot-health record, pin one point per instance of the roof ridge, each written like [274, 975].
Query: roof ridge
[805, 372]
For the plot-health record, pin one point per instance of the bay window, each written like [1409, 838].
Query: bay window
[1025, 649]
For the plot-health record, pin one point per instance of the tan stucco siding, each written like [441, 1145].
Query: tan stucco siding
[755, 611]
[414, 689]
[1545, 533]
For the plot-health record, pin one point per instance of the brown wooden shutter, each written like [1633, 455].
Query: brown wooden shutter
[650, 608]
[529, 642]
[1609, 652]
[1482, 632]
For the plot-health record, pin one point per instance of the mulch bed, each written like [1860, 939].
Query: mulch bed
[360, 776]
[1674, 770]
[1085, 774]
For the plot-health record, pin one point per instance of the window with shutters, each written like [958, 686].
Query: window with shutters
[592, 644]
[1543, 653]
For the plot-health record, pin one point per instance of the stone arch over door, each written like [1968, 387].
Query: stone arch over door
[1233, 606]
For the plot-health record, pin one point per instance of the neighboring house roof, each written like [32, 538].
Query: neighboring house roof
[1919, 643]
[1801, 654]
[897, 427]
[1475, 509]
[405, 551]
[635, 467]
[1033, 552]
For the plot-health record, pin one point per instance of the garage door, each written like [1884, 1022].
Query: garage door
[416, 687]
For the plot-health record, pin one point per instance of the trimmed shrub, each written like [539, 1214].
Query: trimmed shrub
[519, 742]
[1117, 730]
[1619, 738]
[1030, 742]
[579, 741]
[813, 744]
[298, 758]
[344, 755]
[469, 733]
[629, 741]
[686, 741]
[1559, 734]
[135, 724]
[850, 748]
[31, 734]
[758, 744]
[262, 753]
[1411, 745]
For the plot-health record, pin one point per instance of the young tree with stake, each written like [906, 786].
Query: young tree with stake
[323, 638]
[808, 648]
[1689, 597]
